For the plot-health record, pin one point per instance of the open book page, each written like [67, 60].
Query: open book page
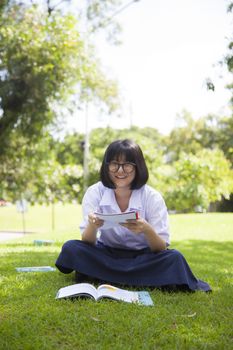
[111, 220]
[108, 291]
[104, 291]
[79, 289]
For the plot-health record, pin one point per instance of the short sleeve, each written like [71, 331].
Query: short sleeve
[157, 215]
[90, 203]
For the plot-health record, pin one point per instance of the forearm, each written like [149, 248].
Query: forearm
[138, 226]
[156, 243]
[89, 234]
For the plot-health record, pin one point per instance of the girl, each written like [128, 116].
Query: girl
[134, 253]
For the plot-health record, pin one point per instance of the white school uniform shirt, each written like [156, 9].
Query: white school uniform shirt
[147, 201]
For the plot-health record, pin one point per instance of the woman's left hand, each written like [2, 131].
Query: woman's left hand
[137, 226]
[140, 225]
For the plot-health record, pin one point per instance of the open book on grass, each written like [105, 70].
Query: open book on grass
[111, 220]
[104, 291]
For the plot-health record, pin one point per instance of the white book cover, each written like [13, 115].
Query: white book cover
[111, 220]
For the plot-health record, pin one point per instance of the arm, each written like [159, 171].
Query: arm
[90, 232]
[154, 221]
[90, 224]
[155, 242]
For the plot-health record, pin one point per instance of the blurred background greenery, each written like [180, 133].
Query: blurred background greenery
[48, 68]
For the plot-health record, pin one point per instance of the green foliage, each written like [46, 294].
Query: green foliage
[70, 149]
[225, 137]
[193, 181]
[197, 180]
[59, 183]
[22, 166]
[32, 172]
[40, 62]
[43, 60]
[186, 137]
[229, 56]
[230, 7]
[96, 15]
[190, 136]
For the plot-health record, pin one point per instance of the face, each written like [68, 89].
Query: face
[121, 172]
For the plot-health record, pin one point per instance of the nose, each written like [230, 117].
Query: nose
[120, 169]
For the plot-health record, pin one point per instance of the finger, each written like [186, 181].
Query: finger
[92, 219]
[133, 221]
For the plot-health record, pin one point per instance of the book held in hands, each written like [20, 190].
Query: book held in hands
[111, 220]
[104, 291]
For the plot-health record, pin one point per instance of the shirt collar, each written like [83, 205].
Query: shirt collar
[108, 199]
[135, 202]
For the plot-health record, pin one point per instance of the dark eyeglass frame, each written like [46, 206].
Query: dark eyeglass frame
[118, 165]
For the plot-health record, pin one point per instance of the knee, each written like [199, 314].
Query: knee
[68, 246]
[176, 255]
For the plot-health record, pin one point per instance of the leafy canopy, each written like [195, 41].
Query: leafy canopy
[43, 60]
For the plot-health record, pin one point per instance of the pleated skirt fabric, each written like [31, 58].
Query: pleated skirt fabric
[129, 267]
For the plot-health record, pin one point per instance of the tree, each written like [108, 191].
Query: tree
[97, 15]
[34, 173]
[225, 137]
[197, 180]
[69, 151]
[229, 56]
[59, 184]
[23, 166]
[211, 132]
[184, 138]
[41, 60]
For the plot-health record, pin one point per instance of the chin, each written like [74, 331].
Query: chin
[126, 185]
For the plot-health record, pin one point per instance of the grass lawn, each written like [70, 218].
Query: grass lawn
[31, 318]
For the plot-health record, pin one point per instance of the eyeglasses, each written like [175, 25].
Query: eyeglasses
[127, 167]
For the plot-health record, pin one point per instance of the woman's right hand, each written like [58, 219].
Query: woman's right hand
[90, 232]
[94, 221]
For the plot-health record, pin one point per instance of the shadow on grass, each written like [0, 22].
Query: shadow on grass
[210, 261]
[205, 254]
[16, 287]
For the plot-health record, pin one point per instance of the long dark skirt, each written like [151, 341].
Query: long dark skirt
[129, 267]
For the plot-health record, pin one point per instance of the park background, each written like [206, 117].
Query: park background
[52, 78]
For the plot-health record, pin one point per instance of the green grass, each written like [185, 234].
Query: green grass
[30, 317]
[39, 222]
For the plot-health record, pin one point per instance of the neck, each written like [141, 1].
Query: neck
[123, 192]
[122, 197]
